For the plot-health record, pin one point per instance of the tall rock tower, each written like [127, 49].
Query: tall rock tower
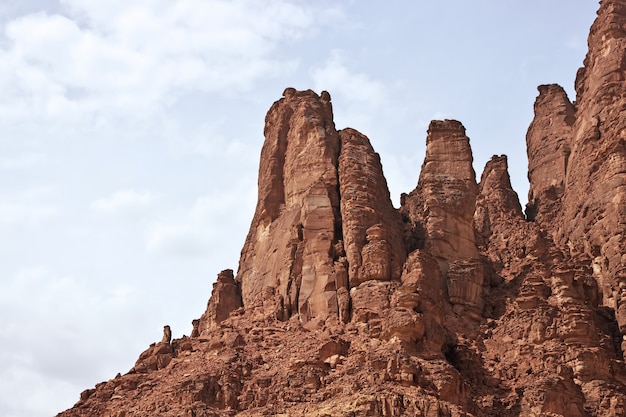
[306, 248]
[577, 159]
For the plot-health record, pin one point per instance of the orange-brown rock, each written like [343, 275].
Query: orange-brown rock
[498, 218]
[588, 168]
[225, 298]
[324, 220]
[542, 304]
[440, 211]
[454, 305]
[372, 231]
[594, 214]
[548, 143]
[288, 264]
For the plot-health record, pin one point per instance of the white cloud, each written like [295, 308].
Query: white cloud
[98, 62]
[178, 239]
[201, 230]
[336, 76]
[21, 161]
[56, 358]
[193, 236]
[29, 214]
[125, 200]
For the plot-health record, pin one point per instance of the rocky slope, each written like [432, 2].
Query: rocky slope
[455, 304]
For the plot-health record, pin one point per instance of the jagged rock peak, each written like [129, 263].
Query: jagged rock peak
[225, 298]
[324, 221]
[548, 145]
[448, 151]
[439, 212]
[604, 64]
[499, 223]
[298, 112]
[593, 218]
[495, 190]
[287, 264]
[371, 227]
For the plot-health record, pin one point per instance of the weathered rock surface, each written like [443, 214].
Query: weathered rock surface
[225, 298]
[440, 210]
[306, 248]
[594, 215]
[578, 194]
[453, 305]
[548, 142]
[372, 231]
[288, 265]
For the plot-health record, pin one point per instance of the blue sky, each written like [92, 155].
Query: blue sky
[130, 134]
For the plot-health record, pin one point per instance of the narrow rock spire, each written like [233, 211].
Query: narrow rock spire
[440, 210]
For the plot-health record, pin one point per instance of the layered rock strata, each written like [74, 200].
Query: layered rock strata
[455, 304]
[594, 215]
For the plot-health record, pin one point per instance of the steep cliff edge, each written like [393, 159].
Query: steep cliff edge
[577, 159]
[455, 304]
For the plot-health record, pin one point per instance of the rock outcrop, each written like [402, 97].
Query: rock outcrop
[440, 210]
[225, 298]
[548, 142]
[578, 194]
[288, 264]
[372, 230]
[307, 247]
[455, 304]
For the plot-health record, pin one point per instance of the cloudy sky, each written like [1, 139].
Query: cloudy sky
[130, 133]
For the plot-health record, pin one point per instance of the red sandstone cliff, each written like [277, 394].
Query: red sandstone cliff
[455, 304]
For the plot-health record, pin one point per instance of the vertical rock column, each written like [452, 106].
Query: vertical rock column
[548, 144]
[371, 226]
[443, 202]
[502, 232]
[324, 221]
[287, 264]
[442, 208]
[225, 298]
[594, 202]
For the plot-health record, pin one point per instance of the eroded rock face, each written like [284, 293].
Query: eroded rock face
[583, 210]
[288, 264]
[306, 248]
[454, 305]
[372, 232]
[594, 215]
[439, 212]
[225, 298]
[548, 143]
[498, 219]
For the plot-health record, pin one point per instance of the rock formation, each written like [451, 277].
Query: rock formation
[455, 304]
[549, 146]
[440, 210]
[594, 215]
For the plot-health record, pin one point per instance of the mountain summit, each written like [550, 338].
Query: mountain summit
[455, 304]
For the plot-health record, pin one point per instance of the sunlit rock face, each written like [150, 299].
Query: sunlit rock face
[324, 220]
[372, 230]
[441, 208]
[455, 304]
[225, 298]
[578, 182]
[549, 143]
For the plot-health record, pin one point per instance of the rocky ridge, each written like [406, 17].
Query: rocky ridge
[455, 304]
